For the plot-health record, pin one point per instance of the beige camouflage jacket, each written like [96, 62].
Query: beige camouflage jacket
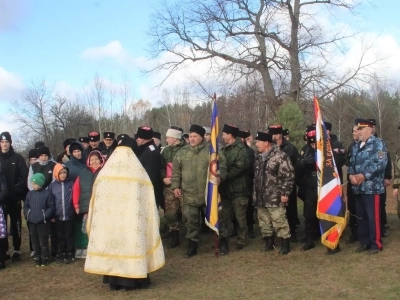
[273, 177]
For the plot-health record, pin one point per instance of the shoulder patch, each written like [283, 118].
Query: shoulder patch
[152, 148]
[381, 154]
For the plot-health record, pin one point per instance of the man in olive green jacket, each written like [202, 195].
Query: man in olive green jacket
[189, 181]
[172, 203]
[234, 190]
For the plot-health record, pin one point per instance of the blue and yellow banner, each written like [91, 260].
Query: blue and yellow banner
[212, 196]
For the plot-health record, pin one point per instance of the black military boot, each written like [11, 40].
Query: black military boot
[269, 244]
[285, 246]
[223, 246]
[192, 249]
[174, 242]
[353, 236]
[308, 245]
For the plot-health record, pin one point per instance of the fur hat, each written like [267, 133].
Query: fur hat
[275, 129]
[244, 134]
[108, 135]
[197, 129]
[311, 136]
[122, 136]
[94, 136]
[285, 132]
[231, 130]
[156, 135]
[145, 133]
[264, 136]
[174, 133]
[84, 139]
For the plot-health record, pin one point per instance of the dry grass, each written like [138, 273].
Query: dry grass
[249, 274]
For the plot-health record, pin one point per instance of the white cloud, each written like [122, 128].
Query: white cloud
[113, 50]
[10, 85]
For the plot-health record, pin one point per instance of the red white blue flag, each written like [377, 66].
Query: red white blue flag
[331, 208]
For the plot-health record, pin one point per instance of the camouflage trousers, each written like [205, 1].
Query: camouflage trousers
[192, 215]
[233, 207]
[172, 209]
[273, 219]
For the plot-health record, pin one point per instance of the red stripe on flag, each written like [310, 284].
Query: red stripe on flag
[327, 201]
[333, 236]
[377, 221]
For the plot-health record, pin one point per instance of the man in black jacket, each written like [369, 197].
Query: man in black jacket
[150, 157]
[15, 171]
[293, 153]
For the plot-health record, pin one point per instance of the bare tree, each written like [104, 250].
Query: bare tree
[280, 40]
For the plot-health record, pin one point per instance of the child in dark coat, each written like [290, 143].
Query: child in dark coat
[38, 210]
[61, 189]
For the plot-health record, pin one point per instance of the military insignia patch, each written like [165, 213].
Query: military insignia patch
[381, 154]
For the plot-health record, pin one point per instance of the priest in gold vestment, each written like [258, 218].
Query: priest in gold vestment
[123, 223]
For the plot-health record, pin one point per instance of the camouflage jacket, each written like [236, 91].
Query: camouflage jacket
[237, 179]
[369, 160]
[273, 177]
[190, 170]
[167, 156]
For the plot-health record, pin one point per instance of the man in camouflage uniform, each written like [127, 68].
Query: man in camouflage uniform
[189, 180]
[293, 153]
[273, 183]
[172, 203]
[234, 190]
[367, 170]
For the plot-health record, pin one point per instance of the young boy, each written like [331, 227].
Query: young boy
[38, 210]
[61, 190]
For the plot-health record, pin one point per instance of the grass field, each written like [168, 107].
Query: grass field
[248, 274]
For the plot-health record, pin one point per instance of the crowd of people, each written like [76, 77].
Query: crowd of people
[63, 198]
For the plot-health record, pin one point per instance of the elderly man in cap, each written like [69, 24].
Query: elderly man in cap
[15, 172]
[235, 189]
[293, 153]
[367, 172]
[189, 179]
[109, 143]
[150, 157]
[172, 203]
[273, 183]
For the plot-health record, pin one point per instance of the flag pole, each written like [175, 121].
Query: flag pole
[216, 236]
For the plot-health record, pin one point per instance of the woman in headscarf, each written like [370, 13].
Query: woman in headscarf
[81, 198]
[123, 223]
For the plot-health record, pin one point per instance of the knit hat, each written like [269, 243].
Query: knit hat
[230, 130]
[94, 136]
[108, 135]
[122, 136]
[84, 139]
[68, 142]
[39, 144]
[275, 129]
[244, 134]
[174, 133]
[38, 179]
[197, 129]
[33, 154]
[6, 136]
[43, 150]
[264, 137]
[75, 145]
[145, 133]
